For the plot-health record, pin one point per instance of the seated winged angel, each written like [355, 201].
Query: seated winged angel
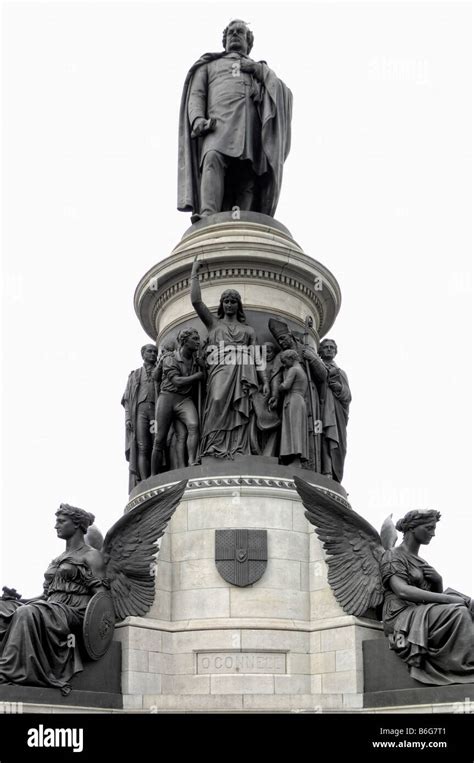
[430, 629]
[87, 588]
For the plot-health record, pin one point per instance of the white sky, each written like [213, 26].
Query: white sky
[377, 187]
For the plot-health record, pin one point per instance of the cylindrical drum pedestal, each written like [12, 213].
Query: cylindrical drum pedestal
[255, 255]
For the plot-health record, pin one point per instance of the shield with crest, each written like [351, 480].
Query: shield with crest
[98, 626]
[241, 555]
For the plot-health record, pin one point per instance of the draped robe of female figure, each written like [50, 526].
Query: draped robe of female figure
[232, 377]
[35, 638]
[435, 640]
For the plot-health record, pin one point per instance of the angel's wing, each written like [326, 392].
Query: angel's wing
[354, 548]
[129, 551]
[388, 533]
[94, 537]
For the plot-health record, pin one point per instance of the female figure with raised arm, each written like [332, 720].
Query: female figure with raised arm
[232, 374]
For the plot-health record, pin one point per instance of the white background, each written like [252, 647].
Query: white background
[376, 187]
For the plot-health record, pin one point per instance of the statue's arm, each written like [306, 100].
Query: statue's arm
[172, 372]
[201, 309]
[290, 378]
[96, 564]
[157, 372]
[317, 368]
[338, 383]
[126, 399]
[408, 592]
[197, 103]
[275, 381]
[344, 394]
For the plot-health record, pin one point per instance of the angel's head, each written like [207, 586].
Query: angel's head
[422, 524]
[71, 520]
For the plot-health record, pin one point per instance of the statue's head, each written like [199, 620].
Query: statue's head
[189, 338]
[270, 350]
[289, 357]
[237, 37]
[169, 346]
[69, 519]
[327, 349]
[287, 341]
[149, 353]
[230, 303]
[422, 524]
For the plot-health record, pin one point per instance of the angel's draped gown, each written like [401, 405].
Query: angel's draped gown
[36, 648]
[435, 640]
[227, 410]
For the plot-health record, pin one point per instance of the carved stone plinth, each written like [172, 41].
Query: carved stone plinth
[280, 644]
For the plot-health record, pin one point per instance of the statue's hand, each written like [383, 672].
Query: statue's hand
[431, 575]
[272, 403]
[250, 67]
[308, 353]
[129, 426]
[455, 600]
[265, 389]
[10, 593]
[336, 387]
[199, 125]
[197, 264]
[202, 126]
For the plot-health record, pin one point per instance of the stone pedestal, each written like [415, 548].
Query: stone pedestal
[282, 644]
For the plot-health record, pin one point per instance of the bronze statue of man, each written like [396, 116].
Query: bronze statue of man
[139, 403]
[235, 131]
[175, 405]
[335, 397]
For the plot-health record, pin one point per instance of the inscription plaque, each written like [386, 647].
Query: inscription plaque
[241, 662]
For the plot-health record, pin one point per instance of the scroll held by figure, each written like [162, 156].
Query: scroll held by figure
[235, 131]
[430, 629]
[42, 639]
